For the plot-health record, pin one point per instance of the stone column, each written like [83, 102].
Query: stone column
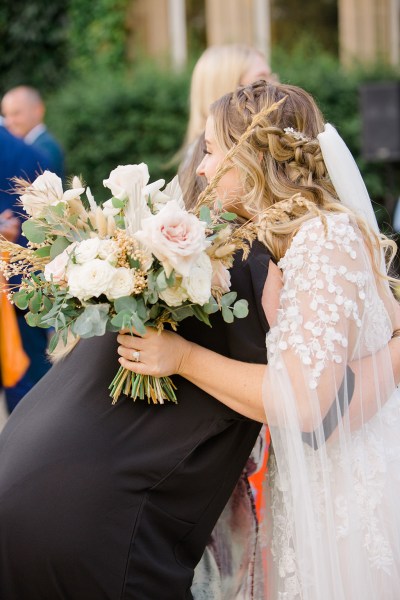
[157, 28]
[246, 21]
[177, 33]
[369, 31]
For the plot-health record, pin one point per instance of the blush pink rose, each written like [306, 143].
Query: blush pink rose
[56, 269]
[175, 237]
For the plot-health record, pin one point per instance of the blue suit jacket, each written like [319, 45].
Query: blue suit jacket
[17, 159]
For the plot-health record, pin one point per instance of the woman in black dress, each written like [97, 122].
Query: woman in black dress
[102, 502]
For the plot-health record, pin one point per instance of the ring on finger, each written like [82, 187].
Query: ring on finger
[136, 356]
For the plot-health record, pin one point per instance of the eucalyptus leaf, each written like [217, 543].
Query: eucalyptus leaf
[20, 300]
[205, 214]
[32, 319]
[211, 306]
[121, 320]
[125, 303]
[178, 314]
[92, 321]
[58, 246]
[138, 324]
[200, 314]
[228, 299]
[43, 252]
[228, 216]
[227, 314]
[34, 232]
[161, 281]
[53, 342]
[241, 309]
[36, 302]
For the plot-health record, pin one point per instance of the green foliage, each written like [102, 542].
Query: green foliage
[33, 44]
[97, 34]
[109, 118]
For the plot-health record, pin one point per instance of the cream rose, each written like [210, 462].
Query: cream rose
[91, 279]
[221, 276]
[198, 283]
[174, 296]
[108, 250]
[46, 191]
[124, 179]
[87, 250]
[122, 284]
[175, 237]
[55, 270]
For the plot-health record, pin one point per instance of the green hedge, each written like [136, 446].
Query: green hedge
[108, 119]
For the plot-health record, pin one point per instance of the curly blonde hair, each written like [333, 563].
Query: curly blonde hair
[284, 177]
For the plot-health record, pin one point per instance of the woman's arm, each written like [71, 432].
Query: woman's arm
[236, 384]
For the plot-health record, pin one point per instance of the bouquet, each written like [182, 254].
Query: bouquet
[139, 259]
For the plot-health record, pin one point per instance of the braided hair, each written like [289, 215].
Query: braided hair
[284, 178]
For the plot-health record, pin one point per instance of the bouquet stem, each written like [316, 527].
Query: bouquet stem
[144, 387]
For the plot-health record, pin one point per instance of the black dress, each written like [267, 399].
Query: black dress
[102, 502]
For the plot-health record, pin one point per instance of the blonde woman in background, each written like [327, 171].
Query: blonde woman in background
[219, 70]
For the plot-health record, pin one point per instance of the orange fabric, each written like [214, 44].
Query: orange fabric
[13, 360]
[257, 478]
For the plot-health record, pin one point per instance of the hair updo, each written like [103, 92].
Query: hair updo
[281, 161]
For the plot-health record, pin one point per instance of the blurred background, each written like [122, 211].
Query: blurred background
[115, 74]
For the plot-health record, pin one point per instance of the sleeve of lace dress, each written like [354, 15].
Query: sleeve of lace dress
[325, 288]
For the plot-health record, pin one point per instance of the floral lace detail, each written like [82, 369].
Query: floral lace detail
[331, 311]
[318, 337]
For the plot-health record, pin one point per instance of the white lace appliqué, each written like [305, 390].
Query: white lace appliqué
[318, 336]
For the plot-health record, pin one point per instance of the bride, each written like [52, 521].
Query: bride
[332, 526]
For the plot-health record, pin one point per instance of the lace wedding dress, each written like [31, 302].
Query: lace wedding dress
[332, 531]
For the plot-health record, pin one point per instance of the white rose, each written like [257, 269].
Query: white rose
[198, 283]
[122, 284]
[90, 279]
[56, 269]
[174, 296]
[221, 276]
[46, 191]
[175, 237]
[108, 250]
[87, 250]
[123, 180]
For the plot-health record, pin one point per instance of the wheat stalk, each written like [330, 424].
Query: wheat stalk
[207, 195]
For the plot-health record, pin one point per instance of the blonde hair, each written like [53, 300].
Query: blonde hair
[218, 71]
[283, 173]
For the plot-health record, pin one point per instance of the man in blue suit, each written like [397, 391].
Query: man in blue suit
[23, 111]
[17, 159]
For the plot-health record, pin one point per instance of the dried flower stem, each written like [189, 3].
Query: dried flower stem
[225, 166]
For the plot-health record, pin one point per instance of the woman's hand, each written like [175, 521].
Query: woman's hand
[155, 353]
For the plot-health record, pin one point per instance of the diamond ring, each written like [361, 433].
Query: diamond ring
[136, 356]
